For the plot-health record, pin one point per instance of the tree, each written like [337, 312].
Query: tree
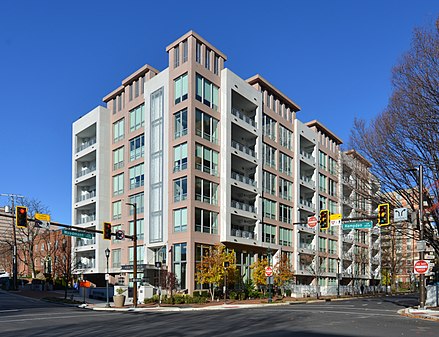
[283, 272]
[211, 269]
[259, 278]
[405, 134]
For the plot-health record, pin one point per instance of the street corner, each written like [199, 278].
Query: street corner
[427, 314]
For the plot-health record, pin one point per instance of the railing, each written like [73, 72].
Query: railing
[86, 265]
[243, 179]
[307, 155]
[242, 206]
[206, 169]
[137, 184]
[180, 197]
[307, 246]
[243, 148]
[243, 117]
[86, 219]
[118, 165]
[180, 133]
[349, 238]
[86, 171]
[140, 209]
[307, 180]
[180, 167]
[83, 197]
[243, 234]
[206, 199]
[85, 145]
[306, 203]
[207, 136]
[85, 242]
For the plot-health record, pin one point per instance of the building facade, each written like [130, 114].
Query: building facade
[207, 157]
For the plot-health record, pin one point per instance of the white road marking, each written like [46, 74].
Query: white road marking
[11, 310]
[46, 318]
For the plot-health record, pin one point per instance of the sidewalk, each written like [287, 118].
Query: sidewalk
[429, 314]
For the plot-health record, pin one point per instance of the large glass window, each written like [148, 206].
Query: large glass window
[139, 200]
[117, 210]
[180, 157]
[180, 123]
[285, 189]
[137, 147]
[206, 191]
[118, 158]
[206, 92]
[332, 187]
[206, 126]
[323, 160]
[118, 130]
[206, 160]
[269, 208]
[285, 137]
[332, 166]
[139, 257]
[185, 51]
[285, 213]
[322, 183]
[180, 261]
[137, 117]
[180, 88]
[118, 184]
[115, 257]
[137, 177]
[206, 221]
[180, 189]
[285, 237]
[285, 164]
[176, 56]
[269, 233]
[269, 183]
[180, 220]
[139, 229]
[269, 127]
[207, 58]
[269, 155]
[198, 52]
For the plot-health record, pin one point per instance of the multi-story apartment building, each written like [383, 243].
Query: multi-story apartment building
[207, 157]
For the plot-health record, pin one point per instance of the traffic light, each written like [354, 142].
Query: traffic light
[21, 216]
[324, 219]
[107, 230]
[383, 214]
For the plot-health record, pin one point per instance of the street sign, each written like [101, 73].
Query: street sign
[120, 234]
[268, 271]
[312, 221]
[42, 220]
[421, 266]
[335, 219]
[131, 266]
[358, 225]
[137, 279]
[400, 214]
[421, 246]
[78, 234]
[107, 277]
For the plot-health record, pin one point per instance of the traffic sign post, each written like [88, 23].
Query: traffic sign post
[421, 267]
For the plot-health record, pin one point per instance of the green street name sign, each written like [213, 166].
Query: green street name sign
[357, 225]
[82, 235]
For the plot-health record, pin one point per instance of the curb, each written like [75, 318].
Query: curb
[404, 312]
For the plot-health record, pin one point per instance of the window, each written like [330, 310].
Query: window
[118, 158]
[207, 58]
[322, 244]
[269, 233]
[137, 147]
[137, 117]
[269, 155]
[117, 209]
[176, 56]
[206, 92]
[118, 130]
[118, 184]
[269, 208]
[285, 164]
[136, 88]
[138, 199]
[139, 228]
[114, 105]
[185, 51]
[201, 252]
[206, 191]
[285, 137]
[115, 257]
[179, 266]
[285, 213]
[180, 220]
[139, 257]
[206, 221]
[180, 88]
[322, 160]
[206, 160]
[216, 64]
[332, 187]
[198, 52]
[130, 90]
[206, 126]
[180, 123]
[269, 127]
[180, 157]
[180, 189]
[269, 183]
[332, 246]
[285, 237]
[285, 189]
[322, 183]
[332, 206]
[323, 202]
[137, 177]
[332, 165]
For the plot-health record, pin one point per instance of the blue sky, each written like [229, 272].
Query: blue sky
[59, 59]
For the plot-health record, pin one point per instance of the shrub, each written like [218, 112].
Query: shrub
[288, 292]
[233, 295]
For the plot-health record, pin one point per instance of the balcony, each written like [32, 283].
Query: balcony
[85, 242]
[243, 206]
[307, 248]
[85, 219]
[243, 234]
[86, 144]
[85, 171]
[180, 167]
[86, 265]
[243, 179]
[86, 196]
[306, 203]
[241, 116]
[206, 169]
[348, 238]
[307, 156]
[180, 133]
[243, 148]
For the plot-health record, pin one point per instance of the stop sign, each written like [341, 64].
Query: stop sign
[268, 271]
[421, 266]
[312, 221]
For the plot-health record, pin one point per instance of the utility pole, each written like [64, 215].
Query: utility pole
[421, 234]
[134, 205]
[14, 252]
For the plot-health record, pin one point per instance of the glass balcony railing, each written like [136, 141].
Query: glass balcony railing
[85, 242]
[180, 133]
[307, 180]
[243, 206]
[307, 155]
[180, 167]
[240, 115]
[243, 148]
[206, 169]
[85, 219]
[243, 234]
[306, 203]
[85, 171]
[86, 145]
[243, 179]
[118, 165]
[307, 246]
[86, 196]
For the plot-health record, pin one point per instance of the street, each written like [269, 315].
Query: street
[20, 316]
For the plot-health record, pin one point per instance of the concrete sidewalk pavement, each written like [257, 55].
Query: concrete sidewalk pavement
[429, 314]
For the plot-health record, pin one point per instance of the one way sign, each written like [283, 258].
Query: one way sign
[400, 214]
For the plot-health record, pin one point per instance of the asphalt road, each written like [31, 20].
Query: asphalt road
[21, 316]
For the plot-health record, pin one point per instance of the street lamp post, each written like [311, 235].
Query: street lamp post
[134, 205]
[421, 234]
[270, 298]
[338, 277]
[107, 276]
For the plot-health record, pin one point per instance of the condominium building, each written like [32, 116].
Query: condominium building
[207, 157]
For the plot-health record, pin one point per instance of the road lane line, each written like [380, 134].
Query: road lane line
[11, 310]
[46, 318]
